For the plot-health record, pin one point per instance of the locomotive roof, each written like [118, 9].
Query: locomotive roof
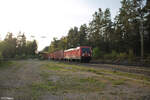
[76, 48]
[72, 49]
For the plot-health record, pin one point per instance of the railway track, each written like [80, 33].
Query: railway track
[122, 68]
[115, 67]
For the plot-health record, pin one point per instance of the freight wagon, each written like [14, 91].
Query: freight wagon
[58, 55]
[44, 55]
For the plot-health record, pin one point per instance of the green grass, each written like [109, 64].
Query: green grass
[74, 68]
[37, 89]
[69, 78]
[73, 83]
[58, 67]
[94, 71]
[118, 82]
[12, 64]
[89, 79]
[135, 76]
[44, 75]
[59, 78]
[43, 86]
[6, 64]
[101, 72]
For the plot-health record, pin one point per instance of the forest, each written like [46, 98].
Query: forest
[17, 47]
[127, 35]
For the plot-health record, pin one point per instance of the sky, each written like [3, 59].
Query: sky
[46, 19]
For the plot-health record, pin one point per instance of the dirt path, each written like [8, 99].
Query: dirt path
[45, 80]
[18, 77]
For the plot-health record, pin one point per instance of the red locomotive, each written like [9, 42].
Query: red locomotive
[82, 53]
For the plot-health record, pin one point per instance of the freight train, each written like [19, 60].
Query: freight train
[44, 55]
[82, 54]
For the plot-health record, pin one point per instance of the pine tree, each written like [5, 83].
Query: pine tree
[10, 46]
[83, 35]
[107, 29]
[73, 38]
[34, 47]
[95, 29]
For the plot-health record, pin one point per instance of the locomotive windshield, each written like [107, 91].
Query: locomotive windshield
[85, 50]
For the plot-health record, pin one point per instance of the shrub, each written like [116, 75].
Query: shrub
[148, 56]
[148, 59]
[112, 55]
[1, 57]
[97, 53]
[131, 55]
[107, 56]
[122, 55]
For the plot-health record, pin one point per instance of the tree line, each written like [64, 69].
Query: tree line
[127, 33]
[17, 47]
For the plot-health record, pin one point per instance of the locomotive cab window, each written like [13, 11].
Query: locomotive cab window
[85, 50]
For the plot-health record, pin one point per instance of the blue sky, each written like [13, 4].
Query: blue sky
[50, 18]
